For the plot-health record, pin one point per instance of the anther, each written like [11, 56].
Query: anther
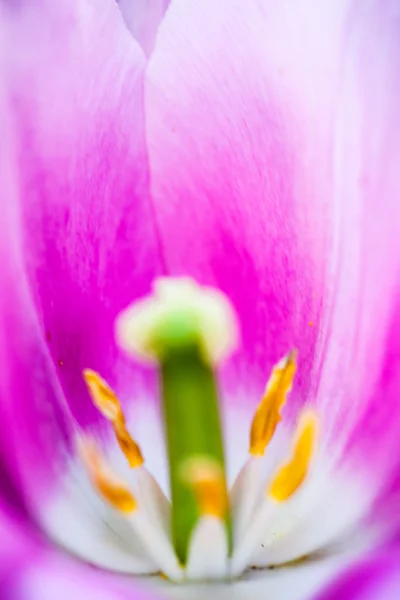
[106, 483]
[268, 413]
[105, 399]
[290, 477]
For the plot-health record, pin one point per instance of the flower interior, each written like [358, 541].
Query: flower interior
[204, 530]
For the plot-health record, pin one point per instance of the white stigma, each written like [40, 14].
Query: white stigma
[207, 310]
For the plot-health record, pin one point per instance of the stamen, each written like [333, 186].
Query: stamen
[268, 414]
[290, 477]
[106, 483]
[106, 401]
[206, 478]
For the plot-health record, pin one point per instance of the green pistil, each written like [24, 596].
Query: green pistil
[192, 424]
[187, 328]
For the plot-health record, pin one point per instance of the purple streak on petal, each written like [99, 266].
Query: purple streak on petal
[143, 18]
[239, 127]
[376, 578]
[90, 246]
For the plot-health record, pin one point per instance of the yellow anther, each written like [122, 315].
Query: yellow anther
[103, 396]
[290, 477]
[206, 478]
[108, 404]
[106, 483]
[268, 413]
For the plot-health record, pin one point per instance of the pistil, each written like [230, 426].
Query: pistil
[188, 329]
[193, 429]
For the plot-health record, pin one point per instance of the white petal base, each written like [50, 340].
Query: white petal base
[208, 551]
[297, 582]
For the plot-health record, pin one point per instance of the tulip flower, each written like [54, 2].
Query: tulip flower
[199, 284]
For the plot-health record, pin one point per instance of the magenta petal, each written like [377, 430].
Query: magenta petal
[239, 126]
[360, 386]
[35, 426]
[375, 578]
[76, 91]
[16, 544]
[76, 244]
[274, 170]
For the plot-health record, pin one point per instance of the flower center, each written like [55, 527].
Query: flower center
[205, 531]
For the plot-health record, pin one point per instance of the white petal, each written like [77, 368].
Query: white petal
[245, 495]
[151, 498]
[145, 423]
[208, 550]
[82, 523]
[244, 551]
[299, 582]
[147, 525]
[158, 545]
[327, 509]
[145, 486]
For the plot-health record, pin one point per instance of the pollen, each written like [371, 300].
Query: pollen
[112, 489]
[206, 478]
[106, 401]
[268, 413]
[290, 477]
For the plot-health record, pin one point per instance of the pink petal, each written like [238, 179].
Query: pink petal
[143, 18]
[370, 419]
[77, 241]
[274, 151]
[15, 542]
[360, 386]
[35, 427]
[239, 125]
[374, 578]
[75, 95]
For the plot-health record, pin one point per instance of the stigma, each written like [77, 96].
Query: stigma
[201, 528]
